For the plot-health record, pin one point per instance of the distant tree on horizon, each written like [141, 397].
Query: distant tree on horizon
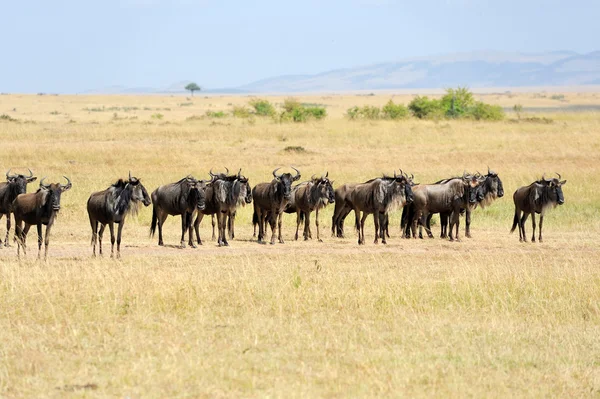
[192, 87]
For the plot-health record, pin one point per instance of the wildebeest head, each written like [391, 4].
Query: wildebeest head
[324, 188]
[472, 183]
[19, 181]
[284, 182]
[52, 193]
[555, 188]
[399, 186]
[245, 191]
[493, 184]
[139, 192]
[408, 185]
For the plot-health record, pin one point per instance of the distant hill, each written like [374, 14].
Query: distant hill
[475, 69]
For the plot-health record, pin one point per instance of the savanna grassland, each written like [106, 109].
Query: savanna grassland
[487, 316]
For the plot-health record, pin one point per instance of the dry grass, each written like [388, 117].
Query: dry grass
[484, 317]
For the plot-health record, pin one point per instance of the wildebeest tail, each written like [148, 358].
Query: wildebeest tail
[154, 221]
[254, 218]
[515, 221]
[301, 216]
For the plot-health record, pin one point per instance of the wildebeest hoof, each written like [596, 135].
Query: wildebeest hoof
[468, 235]
[193, 245]
[162, 244]
[320, 240]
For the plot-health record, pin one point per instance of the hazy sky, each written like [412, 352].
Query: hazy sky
[75, 45]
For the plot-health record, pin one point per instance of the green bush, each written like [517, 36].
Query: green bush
[240, 111]
[394, 111]
[457, 102]
[294, 111]
[483, 111]
[425, 108]
[218, 114]
[262, 107]
[157, 116]
[369, 112]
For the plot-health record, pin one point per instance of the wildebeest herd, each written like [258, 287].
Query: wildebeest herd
[223, 193]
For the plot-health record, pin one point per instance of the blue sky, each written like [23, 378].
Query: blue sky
[69, 46]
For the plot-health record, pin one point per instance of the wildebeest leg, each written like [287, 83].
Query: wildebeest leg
[377, 223]
[24, 243]
[94, 225]
[102, 227]
[199, 218]
[533, 226]
[188, 224]
[231, 224]
[273, 223]
[298, 212]
[212, 222]
[119, 230]
[1, 214]
[18, 236]
[6, 242]
[541, 224]
[47, 239]
[427, 224]
[162, 216]
[357, 223]
[468, 222]
[279, 222]
[40, 239]
[523, 220]
[221, 224]
[455, 221]
[317, 224]
[362, 227]
[307, 234]
[261, 224]
[183, 228]
[111, 227]
[443, 225]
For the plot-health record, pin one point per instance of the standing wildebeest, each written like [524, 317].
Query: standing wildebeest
[307, 197]
[9, 190]
[536, 198]
[378, 197]
[490, 189]
[181, 198]
[270, 199]
[39, 208]
[444, 197]
[111, 206]
[223, 195]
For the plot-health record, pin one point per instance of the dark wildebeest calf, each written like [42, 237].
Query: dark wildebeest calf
[378, 197]
[9, 190]
[307, 197]
[183, 198]
[223, 195]
[270, 199]
[110, 206]
[536, 198]
[39, 208]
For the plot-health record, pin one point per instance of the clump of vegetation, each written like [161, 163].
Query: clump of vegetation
[186, 104]
[157, 116]
[54, 113]
[455, 104]
[369, 112]
[295, 111]
[217, 114]
[192, 87]
[194, 118]
[240, 111]
[7, 118]
[262, 107]
[518, 109]
[295, 148]
[394, 111]
[558, 97]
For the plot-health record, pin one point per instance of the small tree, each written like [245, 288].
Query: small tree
[518, 108]
[192, 87]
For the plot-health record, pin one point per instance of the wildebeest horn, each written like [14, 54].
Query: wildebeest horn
[68, 183]
[327, 174]
[558, 175]
[297, 172]
[489, 169]
[312, 177]
[239, 173]
[274, 173]
[42, 182]
[226, 170]
[30, 172]
[8, 174]
[129, 175]
[211, 173]
[394, 173]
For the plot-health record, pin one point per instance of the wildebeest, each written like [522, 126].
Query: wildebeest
[111, 206]
[9, 190]
[343, 208]
[223, 195]
[436, 198]
[39, 208]
[183, 198]
[307, 197]
[378, 197]
[490, 189]
[536, 198]
[270, 199]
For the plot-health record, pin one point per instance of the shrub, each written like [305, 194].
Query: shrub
[485, 111]
[295, 148]
[157, 116]
[365, 112]
[394, 111]
[8, 118]
[240, 111]
[457, 102]
[425, 108]
[262, 107]
[186, 104]
[558, 97]
[518, 108]
[295, 111]
[218, 114]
